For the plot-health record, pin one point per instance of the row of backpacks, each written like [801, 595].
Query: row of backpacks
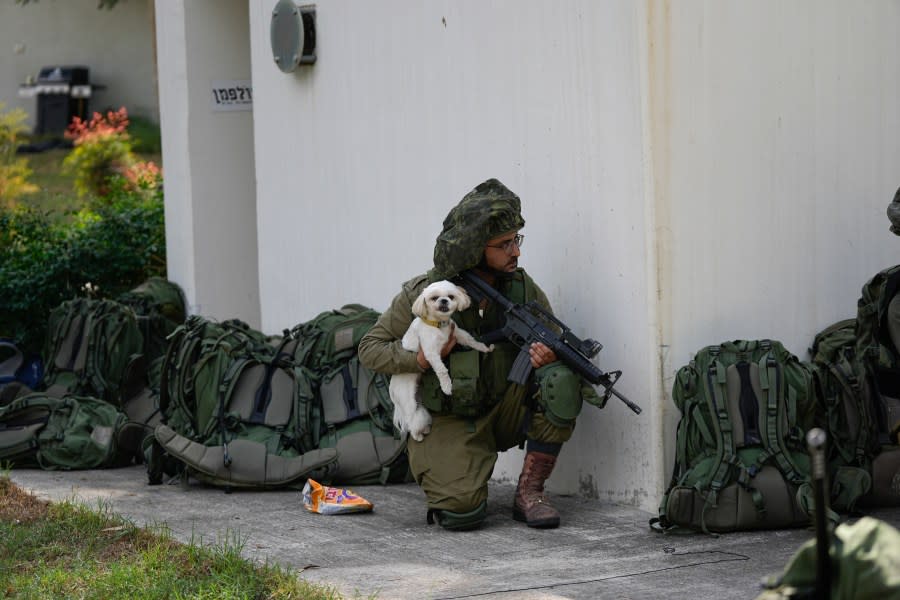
[741, 457]
[134, 380]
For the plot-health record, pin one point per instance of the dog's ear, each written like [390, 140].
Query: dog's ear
[419, 308]
[464, 300]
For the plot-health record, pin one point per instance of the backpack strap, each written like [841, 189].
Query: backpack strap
[167, 366]
[61, 331]
[729, 458]
[97, 345]
[263, 395]
[845, 375]
[224, 391]
[717, 381]
[772, 383]
[726, 457]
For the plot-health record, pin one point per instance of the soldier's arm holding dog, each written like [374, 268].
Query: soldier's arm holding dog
[381, 348]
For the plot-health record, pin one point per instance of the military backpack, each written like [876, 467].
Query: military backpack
[877, 352]
[90, 345]
[877, 328]
[356, 409]
[160, 307]
[72, 432]
[740, 461]
[234, 413]
[840, 386]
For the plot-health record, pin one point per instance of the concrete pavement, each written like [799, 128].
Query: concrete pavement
[600, 551]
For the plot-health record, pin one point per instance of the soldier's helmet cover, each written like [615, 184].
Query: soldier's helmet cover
[893, 213]
[488, 211]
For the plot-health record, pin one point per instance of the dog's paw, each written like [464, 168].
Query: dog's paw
[447, 387]
[420, 435]
[489, 348]
[420, 424]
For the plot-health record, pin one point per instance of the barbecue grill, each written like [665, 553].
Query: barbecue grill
[62, 92]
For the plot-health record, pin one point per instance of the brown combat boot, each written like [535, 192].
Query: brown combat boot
[531, 505]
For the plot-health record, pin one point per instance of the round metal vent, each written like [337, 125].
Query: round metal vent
[293, 35]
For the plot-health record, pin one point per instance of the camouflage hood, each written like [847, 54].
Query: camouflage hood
[893, 213]
[486, 212]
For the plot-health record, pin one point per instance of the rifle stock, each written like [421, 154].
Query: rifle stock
[526, 324]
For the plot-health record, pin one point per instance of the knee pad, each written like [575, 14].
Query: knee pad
[560, 393]
[455, 521]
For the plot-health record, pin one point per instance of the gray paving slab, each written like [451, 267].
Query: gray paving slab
[600, 551]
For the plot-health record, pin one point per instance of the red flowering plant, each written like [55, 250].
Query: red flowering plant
[103, 152]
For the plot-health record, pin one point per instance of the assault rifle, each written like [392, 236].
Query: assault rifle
[526, 324]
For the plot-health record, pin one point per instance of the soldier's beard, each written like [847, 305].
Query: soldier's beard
[509, 268]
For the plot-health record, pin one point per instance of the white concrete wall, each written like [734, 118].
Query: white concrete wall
[690, 171]
[208, 158]
[775, 152]
[410, 105]
[116, 45]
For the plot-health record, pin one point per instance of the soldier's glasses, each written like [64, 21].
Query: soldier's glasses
[508, 245]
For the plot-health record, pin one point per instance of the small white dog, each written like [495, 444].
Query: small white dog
[430, 331]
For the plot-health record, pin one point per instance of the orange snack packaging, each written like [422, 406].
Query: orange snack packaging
[328, 500]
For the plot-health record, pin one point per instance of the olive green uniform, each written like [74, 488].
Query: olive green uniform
[453, 463]
[485, 414]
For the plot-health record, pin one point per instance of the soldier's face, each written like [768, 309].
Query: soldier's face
[501, 253]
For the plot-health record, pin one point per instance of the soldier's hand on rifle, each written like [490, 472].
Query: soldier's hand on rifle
[541, 355]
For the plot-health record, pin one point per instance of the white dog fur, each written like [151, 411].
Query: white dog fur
[430, 331]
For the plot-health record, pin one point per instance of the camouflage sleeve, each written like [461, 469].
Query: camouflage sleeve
[542, 299]
[380, 349]
[534, 292]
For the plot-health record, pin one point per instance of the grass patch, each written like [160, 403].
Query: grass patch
[66, 550]
[56, 192]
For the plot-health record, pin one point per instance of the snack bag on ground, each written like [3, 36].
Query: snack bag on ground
[329, 500]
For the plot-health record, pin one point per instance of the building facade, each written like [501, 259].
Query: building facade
[690, 172]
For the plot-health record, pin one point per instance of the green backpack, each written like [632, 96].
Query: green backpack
[234, 411]
[881, 382]
[90, 345]
[865, 565]
[840, 387]
[356, 408]
[876, 351]
[160, 307]
[740, 459]
[331, 337]
[73, 432]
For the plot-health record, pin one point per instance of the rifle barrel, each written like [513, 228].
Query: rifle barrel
[634, 407]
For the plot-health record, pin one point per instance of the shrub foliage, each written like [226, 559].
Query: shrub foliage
[102, 251]
[103, 156]
[14, 171]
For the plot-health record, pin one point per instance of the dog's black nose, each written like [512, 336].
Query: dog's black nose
[445, 301]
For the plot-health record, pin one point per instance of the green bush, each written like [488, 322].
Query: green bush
[102, 151]
[14, 171]
[145, 135]
[103, 155]
[102, 251]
